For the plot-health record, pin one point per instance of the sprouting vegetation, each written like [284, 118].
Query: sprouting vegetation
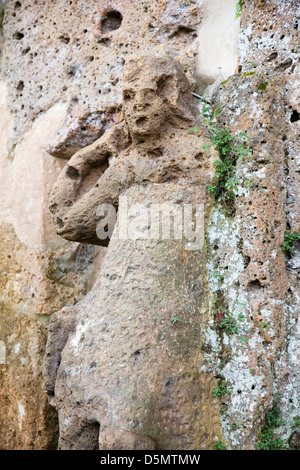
[238, 8]
[219, 446]
[231, 149]
[266, 438]
[289, 239]
[224, 319]
[228, 324]
[223, 389]
[262, 86]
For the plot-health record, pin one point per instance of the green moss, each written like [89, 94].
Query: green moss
[262, 86]
[247, 74]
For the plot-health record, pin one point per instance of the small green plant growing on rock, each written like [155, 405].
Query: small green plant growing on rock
[219, 446]
[175, 320]
[231, 149]
[238, 8]
[296, 424]
[262, 86]
[264, 325]
[234, 426]
[221, 390]
[248, 74]
[273, 420]
[289, 240]
[224, 320]
[228, 324]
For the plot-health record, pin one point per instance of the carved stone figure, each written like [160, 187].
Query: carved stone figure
[131, 375]
[150, 145]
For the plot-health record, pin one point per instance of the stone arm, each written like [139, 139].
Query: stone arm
[94, 175]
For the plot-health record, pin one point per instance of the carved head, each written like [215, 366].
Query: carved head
[155, 92]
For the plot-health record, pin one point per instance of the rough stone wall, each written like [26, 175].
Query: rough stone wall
[61, 72]
[250, 274]
[61, 79]
[86, 44]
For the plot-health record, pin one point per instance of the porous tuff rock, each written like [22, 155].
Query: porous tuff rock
[127, 370]
[249, 273]
[85, 44]
[61, 80]
[150, 145]
[40, 273]
[33, 285]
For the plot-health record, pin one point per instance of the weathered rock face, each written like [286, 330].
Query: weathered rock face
[37, 278]
[86, 44]
[61, 80]
[140, 381]
[33, 285]
[148, 146]
[249, 273]
[128, 370]
[61, 90]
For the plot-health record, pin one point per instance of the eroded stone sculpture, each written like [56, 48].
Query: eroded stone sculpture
[130, 375]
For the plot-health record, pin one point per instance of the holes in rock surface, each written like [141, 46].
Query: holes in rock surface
[72, 172]
[284, 65]
[272, 56]
[72, 70]
[295, 116]
[255, 284]
[246, 260]
[136, 355]
[169, 382]
[53, 208]
[183, 31]
[155, 153]
[89, 435]
[18, 5]
[111, 21]
[18, 35]
[164, 86]
[141, 121]
[59, 222]
[20, 85]
[64, 38]
[105, 41]
[128, 95]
